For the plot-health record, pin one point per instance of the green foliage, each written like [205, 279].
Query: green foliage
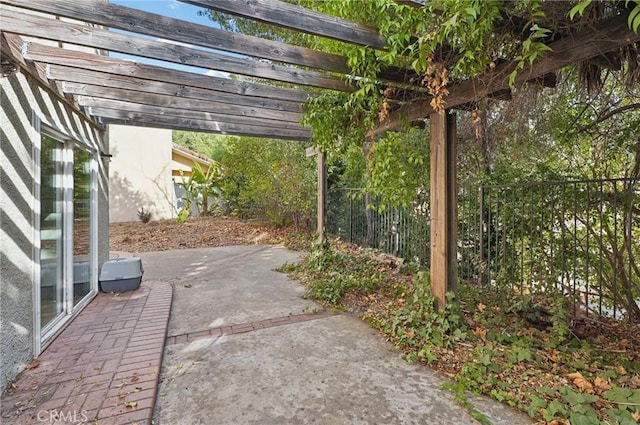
[200, 186]
[211, 145]
[399, 168]
[331, 274]
[184, 214]
[269, 179]
[634, 15]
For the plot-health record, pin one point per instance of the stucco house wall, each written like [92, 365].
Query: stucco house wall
[25, 107]
[140, 173]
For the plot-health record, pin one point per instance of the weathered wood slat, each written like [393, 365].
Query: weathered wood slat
[591, 42]
[11, 47]
[138, 21]
[176, 123]
[54, 55]
[164, 101]
[52, 29]
[88, 82]
[298, 18]
[130, 109]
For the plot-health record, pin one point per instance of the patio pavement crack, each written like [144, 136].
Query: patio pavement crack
[239, 328]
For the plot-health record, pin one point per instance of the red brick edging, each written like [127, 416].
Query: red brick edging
[246, 327]
[103, 367]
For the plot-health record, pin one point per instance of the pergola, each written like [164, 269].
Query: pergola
[118, 91]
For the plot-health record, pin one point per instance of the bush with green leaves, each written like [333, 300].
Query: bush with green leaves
[271, 179]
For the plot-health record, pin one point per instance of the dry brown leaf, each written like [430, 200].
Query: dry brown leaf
[621, 371]
[481, 307]
[581, 382]
[601, 384]
[636, 415]
[121, 395]
[480, 332]
[135, 378]
[187, 285]
[559, 422]
[34, 364]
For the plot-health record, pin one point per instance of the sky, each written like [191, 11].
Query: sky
[173, 9]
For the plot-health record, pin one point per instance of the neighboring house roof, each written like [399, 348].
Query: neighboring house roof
[192, 155]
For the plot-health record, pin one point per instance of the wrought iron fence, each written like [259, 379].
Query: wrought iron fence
[355, 218]
[579, 239]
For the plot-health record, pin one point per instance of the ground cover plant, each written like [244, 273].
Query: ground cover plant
[524, 350]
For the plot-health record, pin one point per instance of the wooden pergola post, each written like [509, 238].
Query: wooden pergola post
[322, 197]
[443, 199]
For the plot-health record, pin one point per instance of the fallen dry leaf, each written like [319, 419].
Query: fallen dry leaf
[621, 371]
[33, 364]
[131, 404]
[187, 285]
[552, 356]
[480, 332]
[135, 378]
[481, 307]
[121, 395]
[581, 382]
[601, 384]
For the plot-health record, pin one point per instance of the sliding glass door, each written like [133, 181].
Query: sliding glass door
[67, 276]
[51, 230]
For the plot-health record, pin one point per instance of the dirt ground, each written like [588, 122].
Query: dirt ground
[201, 232]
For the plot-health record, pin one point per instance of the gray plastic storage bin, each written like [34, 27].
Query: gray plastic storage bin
[122, 274]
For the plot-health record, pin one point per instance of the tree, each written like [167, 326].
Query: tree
[210, 145]
[269, 178]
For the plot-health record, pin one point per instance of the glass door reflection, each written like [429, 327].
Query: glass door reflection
[81, 224]
[51, 230]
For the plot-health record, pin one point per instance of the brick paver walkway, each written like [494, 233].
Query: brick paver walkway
[103, 368]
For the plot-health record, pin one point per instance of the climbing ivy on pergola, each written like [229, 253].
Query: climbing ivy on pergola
[415, 64]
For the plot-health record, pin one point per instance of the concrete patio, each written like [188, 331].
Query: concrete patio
[241, 347]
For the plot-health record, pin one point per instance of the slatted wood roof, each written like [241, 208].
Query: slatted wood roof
[268, 80]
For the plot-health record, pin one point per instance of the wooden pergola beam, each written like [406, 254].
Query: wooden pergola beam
[51, 29]
[92, 83]
[602, 37]
[297, 18]
[132, 111]
[10, 47]
[170, 102]
[176, 123]
[138, 21]
[87, 61]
